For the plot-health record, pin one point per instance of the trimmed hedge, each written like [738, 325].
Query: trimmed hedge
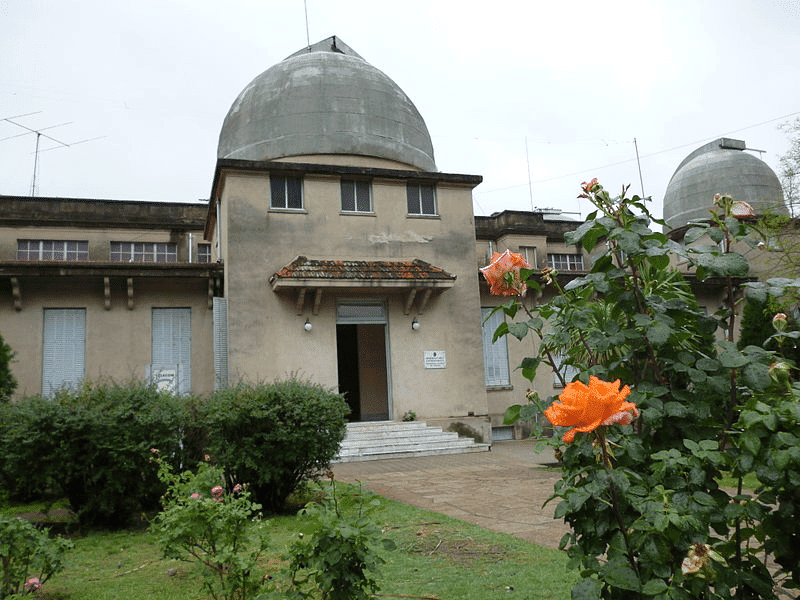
[93, 445]
[275, 436]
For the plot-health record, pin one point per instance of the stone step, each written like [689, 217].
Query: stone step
[398, 434]
[413, 454]
[399, 439]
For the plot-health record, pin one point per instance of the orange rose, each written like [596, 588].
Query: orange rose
[502, 274]
[585, 408]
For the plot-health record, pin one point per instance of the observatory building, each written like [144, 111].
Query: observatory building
[720, 167]
[330, 248]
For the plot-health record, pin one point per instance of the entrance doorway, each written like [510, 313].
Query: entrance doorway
[361, 359]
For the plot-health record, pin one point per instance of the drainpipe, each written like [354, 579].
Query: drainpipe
[190, 246]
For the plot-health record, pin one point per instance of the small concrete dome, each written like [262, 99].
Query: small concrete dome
[720, 167]
[325, 99]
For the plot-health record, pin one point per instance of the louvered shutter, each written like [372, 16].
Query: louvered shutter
[64, 349]
[172, 343]
[495, 355]
[220, 343]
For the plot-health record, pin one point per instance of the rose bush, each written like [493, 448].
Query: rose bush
[647, 514]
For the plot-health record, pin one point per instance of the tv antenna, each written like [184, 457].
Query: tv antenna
[39, 136]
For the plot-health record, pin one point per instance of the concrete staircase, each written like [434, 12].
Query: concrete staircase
[394, 439]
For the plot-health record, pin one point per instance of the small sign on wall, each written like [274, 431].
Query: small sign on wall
[434, 359]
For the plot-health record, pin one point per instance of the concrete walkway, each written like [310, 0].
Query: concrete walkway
[501, 490]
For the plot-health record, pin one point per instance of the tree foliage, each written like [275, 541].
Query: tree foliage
[789, 168]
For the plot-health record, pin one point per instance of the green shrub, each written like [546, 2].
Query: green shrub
[275, 436]
[30, 443]
[215, 528]
[28, 556]
[7, 382]
[337, 550]
[92, 446]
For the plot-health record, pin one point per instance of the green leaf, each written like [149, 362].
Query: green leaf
[511, 415]
[629, 242]
[501, 330]
[587, 589]
[756, 376]
[751, 442]
[658, 333]
[716, 234]
[707, 364]
[733, 359]
[518, 330]
[724, 265]
[659, 261]
[654, 587]
[693, 234]
[622, 576]
[529, 366]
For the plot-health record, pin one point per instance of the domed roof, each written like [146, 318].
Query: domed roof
[720, 167]
[325, 99]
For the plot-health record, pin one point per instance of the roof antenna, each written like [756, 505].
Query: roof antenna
[39, 136]
[639, 164]
[530, 185]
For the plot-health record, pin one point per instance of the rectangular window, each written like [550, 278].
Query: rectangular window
[565, 262]
[356, 196]
[495, 355]
[204, 253]
[421, 199]
[149, 252]
[529, 254]
[52, 250]
[64, 349]
[286, 192]
[172, 346]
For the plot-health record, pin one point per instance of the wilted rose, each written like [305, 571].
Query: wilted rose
[503, 274]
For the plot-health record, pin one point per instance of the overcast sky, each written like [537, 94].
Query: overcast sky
[534, 96]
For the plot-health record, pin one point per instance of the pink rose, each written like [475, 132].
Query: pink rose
[33, 584]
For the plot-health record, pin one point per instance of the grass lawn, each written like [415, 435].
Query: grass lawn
[437, 557]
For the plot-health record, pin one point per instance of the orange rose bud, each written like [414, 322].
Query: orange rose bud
[585, 408]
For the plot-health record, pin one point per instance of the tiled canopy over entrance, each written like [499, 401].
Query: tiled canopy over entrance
[410, 277]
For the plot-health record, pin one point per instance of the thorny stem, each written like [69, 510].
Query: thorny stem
[547, 352]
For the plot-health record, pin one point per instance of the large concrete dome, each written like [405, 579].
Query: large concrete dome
[720, 167]
[325, 99]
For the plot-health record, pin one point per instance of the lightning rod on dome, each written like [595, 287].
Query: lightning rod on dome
[308, 35]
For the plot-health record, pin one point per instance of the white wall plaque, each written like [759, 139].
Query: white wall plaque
[434, 359]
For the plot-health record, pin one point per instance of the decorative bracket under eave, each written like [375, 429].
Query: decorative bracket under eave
[130, 293]
[301, 298]
[107, 292]
[423, 302]
[15, 292]
[412, 293]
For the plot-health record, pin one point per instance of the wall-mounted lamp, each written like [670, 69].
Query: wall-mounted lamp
[308, 326]
[415, 324]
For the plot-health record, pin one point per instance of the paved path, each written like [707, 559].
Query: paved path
[501, 490]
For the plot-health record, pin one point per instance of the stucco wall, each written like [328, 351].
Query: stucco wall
[266, 336]
[118, 344]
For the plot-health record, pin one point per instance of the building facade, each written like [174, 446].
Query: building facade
[330, 249]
